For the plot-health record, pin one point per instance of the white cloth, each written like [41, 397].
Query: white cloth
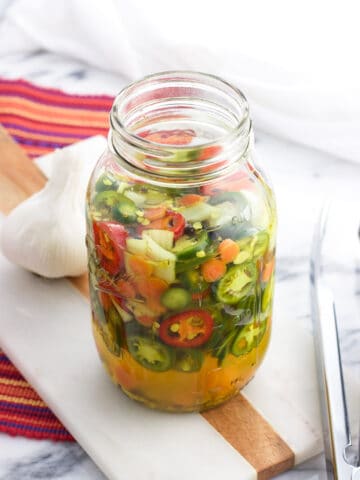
[295, 61]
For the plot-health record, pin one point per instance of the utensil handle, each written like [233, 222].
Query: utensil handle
[337, 436]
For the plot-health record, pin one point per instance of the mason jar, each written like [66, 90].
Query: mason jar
[181, 242]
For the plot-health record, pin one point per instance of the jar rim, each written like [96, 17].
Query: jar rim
[183, 98]
[117, 123]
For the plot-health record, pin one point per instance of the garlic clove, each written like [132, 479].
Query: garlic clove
[46, 233]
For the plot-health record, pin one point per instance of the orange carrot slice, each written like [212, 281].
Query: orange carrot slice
[126, 289]
[155, 213]
[190, 199]
[228, 250]
[140, 265]
[105, 300]
[213, 269]
[146, 320]
[268, 270]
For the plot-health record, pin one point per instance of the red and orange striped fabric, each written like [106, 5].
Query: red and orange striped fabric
[22, 412]
[40, 120]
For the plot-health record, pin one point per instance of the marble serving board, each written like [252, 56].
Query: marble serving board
[45, 330]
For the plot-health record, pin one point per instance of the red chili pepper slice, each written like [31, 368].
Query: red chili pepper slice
[110, 241]
[188, 329]
[173, 222]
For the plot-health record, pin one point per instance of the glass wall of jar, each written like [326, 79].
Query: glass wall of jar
[181, 241]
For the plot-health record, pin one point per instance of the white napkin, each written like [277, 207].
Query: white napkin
[294, 61]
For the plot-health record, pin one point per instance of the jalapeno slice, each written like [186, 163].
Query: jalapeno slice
[112, 331]
[186, 265]
[248, 338]
[236, 283]
[124, 209]
[267, 295]
[252, 245]
[188, 360]
[150, 353]
[186, 247]
[106, 181]
[261, 244]
[106, 200]
[189, 329]
[176, 298]
[193, 281]
[248, 306]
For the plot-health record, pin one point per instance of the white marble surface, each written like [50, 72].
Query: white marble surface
[301, 178]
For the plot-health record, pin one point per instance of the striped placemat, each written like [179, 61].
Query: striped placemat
[40, 120]
[22, 411]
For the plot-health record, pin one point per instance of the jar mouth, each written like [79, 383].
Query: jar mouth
[210, 114]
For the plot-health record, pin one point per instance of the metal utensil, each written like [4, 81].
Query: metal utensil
[337, 435]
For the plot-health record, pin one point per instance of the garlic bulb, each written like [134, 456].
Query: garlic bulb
[46, 233]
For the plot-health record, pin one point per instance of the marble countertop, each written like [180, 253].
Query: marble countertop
[301, 177]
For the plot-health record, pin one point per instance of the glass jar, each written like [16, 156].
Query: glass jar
[181, 241]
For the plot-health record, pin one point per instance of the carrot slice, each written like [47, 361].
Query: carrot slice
[146, 320]
[213, 269]
[126, 289]
[155, 213]
[105, 300]
[140, 265]
[190, 199]
[124, 377]
[268, 270]
[151, 288]
[228, 250]
[237, 182]
[200, 295]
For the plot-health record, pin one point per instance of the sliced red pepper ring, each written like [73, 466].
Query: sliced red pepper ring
[188, 329]
[173, 222]
[110, 241]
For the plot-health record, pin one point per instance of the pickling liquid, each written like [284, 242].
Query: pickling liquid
[182, 391]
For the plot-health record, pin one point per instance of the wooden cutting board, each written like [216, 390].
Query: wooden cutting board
[272, 425]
